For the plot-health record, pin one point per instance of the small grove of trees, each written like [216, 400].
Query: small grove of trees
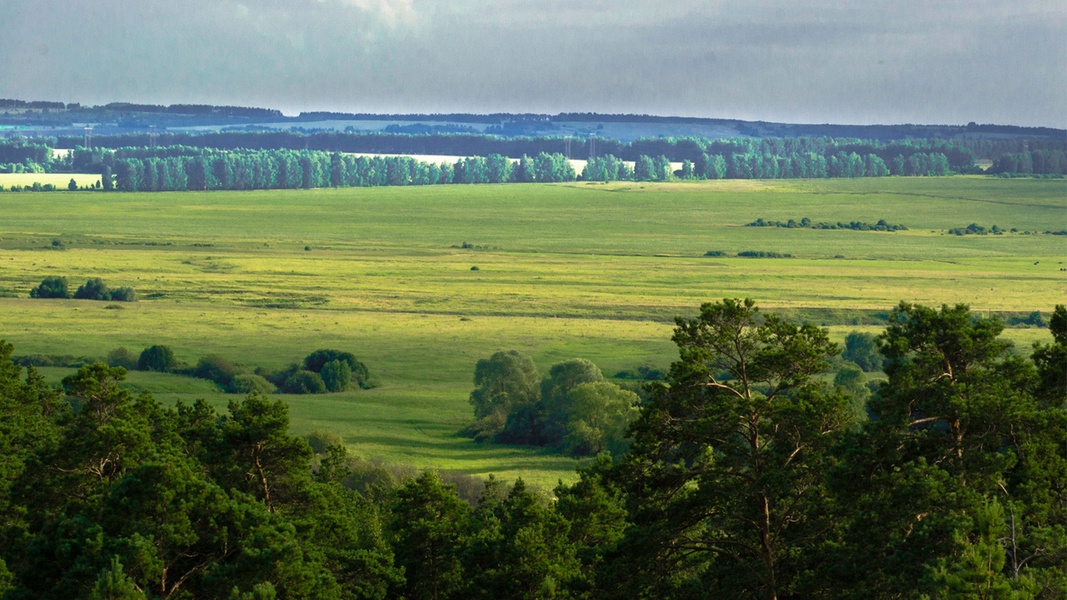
[322, 371]
[572, 409]
[93, 289]
[1036, 162]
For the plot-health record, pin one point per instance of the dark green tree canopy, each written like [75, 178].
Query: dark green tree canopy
[317, 360]
[725, 474]
[157, 358]
[504, 380]
[93, 289]
[51, 287]
[862, 349]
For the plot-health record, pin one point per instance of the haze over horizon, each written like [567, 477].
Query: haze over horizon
[816, 61]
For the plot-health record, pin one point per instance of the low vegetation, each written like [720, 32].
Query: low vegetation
[93, 289]
[807, 223]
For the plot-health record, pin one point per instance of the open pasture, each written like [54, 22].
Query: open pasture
[572, 270]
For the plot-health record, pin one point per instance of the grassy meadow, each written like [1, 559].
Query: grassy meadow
[571, 270]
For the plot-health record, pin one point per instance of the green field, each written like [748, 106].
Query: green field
[572, 270]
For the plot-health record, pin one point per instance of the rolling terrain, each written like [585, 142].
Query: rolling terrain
[420, 283]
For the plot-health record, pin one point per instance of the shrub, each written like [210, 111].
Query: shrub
[320, 440]
[644, 372]
[304, 382]
[318, 359]
[247, 383]
[53, 360]
[51, 287]
[277, 378]
[157, 358]
[121, 357]
[94, 289]
[763, 254]
[218, 369]
[1034, 319]
[123, 294]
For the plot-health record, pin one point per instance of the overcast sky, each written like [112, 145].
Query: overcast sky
[807, 61]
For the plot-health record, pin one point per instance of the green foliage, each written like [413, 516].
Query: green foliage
[93, 289]
[250, 383]
[303, 382]
[746, 478]
[123, 294]
[121, 357]
[852, 381]
[320, 440]
[955, 486]
[597, 418]
[862, 349]
[51, 287]
[336, 376]
[218, 369]
[114, 584]
[556, 388]
[725, 474]
[762, 254]
[519, 547]
[428, 529]
[1051, 361]
[319, 359]
[807, 223]
[506, 381]
[976, 229]
[157, 358]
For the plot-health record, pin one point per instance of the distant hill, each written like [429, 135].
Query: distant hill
[48, 118]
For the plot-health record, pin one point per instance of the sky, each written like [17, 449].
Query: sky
[799, 61]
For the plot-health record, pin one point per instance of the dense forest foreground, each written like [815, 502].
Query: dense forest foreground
[747, 475]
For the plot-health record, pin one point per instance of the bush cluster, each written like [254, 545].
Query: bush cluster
[322, 371]
[807, 223]
[572, 409]
[93, 289]
[976, 229]
[763, 254]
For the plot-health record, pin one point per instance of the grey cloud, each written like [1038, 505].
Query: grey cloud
[822, 60]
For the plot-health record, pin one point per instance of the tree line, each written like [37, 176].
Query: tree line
[184, 168]
[321, 160]
[747, 475]
[960, 153]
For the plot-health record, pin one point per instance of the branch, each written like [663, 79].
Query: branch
[723, 386]
[925, 421]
